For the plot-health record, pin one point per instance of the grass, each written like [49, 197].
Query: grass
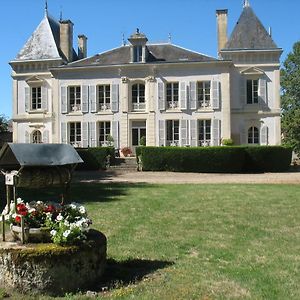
[194, 241]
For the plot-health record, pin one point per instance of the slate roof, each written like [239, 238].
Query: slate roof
[249, 33]
[44, 42]
[158, 53]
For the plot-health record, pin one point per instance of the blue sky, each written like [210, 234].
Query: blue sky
[192, 24]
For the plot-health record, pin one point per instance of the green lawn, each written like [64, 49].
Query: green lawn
[196, 241]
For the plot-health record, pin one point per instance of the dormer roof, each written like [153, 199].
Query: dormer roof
[249, 33]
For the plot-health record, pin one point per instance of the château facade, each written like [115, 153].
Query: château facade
[170, 95]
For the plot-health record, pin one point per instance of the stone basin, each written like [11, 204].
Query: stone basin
[46, 268]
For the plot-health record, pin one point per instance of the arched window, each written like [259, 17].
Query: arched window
[36, 137]
[253, 135]
[138, 97]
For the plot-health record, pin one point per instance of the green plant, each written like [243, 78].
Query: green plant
[227, 142]
[110, 140]
[143, 141]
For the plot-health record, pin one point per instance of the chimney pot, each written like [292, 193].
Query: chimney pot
[82, 46]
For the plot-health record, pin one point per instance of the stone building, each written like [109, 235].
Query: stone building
[170, 95]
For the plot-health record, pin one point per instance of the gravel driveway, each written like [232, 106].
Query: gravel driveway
[181, 178]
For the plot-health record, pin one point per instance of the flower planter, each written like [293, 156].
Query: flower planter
[32, 235]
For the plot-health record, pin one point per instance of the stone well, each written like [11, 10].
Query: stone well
[51, 269]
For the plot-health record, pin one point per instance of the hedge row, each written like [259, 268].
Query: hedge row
[215, 159]
[95, 158]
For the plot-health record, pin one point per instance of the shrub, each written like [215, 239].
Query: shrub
[95, 158]
[267, 158]
[143, 141]
[193, 159]
[227, 142]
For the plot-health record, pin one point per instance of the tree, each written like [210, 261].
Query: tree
[3, 123]
[290, 100]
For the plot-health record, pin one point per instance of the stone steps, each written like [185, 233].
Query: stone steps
[125, 164]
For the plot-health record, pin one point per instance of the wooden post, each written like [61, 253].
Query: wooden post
[23, 230]
[3, 228]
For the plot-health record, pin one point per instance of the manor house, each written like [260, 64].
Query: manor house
[164, 92]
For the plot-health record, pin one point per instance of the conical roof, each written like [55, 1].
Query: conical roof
[249, 33]
[43, 43]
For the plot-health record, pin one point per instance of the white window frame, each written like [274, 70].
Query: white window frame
[74, 97]
[253, 99]
[174, 139]
[137, 53]
[76, 138]
[253, 134]
[204, 94]
[138, 101]
[102, 137]
[204, 132]
[36, 97]
[173, 97]
[36, 137]
[104, 97]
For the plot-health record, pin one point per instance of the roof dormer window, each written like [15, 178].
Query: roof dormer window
[138, 42]
[137, 53]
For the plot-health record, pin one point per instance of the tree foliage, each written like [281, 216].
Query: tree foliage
[290, 100]
[3, 123]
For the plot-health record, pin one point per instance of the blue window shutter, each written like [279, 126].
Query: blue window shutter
[264, 135]
[63, 133]
[183, 95]
[27, 98]
[193, 95]
[64, 99]
[115, 97]
[162, 133]
[46, 136]
[161, 96]
[184, 132]
[84, 134]
[243, 90]
[216, 128]
[44, 98]
[93, 137]
[215, 92]
[93, 102]
[262, 83]
[193, 133]
[84, 98]
[115, 133]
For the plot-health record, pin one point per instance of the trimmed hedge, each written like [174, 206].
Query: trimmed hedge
[229, 159]
[94, 158]
[267, 159]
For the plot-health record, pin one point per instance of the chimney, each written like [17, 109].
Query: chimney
[82, 46]
[66, 39]
[221, 28]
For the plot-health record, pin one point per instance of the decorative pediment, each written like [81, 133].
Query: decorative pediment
[34, 80]
[252, 71]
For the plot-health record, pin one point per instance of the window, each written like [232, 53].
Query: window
[253, 135]
[75, 134]
[172, 95]
[137, 53]
[203, 92]
[36, 137]
[104, 131]
[104, 97]
[172, 132]
[204, 137]
[36, 98]
[138, 97]
[252, 91]
[75, 98]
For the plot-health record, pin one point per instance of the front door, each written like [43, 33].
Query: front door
[138, 130]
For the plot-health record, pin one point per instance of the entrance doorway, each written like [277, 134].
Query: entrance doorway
[138, 130]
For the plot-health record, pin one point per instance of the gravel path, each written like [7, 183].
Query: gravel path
[181, 178]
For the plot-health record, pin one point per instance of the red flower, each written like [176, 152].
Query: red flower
[18, 219]
[50, 208]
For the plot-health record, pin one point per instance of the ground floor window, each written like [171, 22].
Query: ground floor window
[204, 132]
[172, 132]
[36, 137]
[75, 134]
[104, 132]
[253, 135]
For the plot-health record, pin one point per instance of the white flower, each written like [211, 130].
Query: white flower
[53, 232]
[19, 200]
[73, 206]
[66, 233]
[66, 222]
[30, 210]
[14, 215]
[82, 209]
[39, 202]
[59, 217]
